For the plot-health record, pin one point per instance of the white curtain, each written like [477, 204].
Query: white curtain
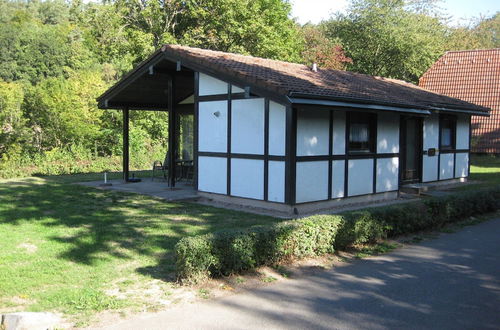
[359, 133]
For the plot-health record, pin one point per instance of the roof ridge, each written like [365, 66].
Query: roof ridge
[471, 50]
[231, 53]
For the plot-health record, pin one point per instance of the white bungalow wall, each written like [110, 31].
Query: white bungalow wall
[246, 167]
[430, 140]
[445, 166]
[313, 140]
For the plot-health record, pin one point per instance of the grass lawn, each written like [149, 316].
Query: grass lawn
[80, 250]
[485, 169]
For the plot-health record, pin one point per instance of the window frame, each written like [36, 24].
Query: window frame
[448, 121]
[365, 118]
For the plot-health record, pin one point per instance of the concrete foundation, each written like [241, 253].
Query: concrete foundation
[263, 207]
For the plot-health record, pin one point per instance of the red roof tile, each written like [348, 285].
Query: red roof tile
[472, 76]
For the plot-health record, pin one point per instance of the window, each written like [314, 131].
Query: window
[447, 132]
[362, 128]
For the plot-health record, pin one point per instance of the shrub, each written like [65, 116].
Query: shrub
[232, 251]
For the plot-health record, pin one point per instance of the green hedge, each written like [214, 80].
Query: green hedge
[232, 251]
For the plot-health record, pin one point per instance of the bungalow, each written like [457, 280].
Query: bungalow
[294, 138]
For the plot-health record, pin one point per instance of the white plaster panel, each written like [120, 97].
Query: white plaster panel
[247, 178]
[312, 181]
[212, 131]
[276, 182]
[360, 177]
[388, 133]
[429, 168]
[211, 86]
[431, 132]
[212, 174]
[277, 129]
[446, 167]
[338, 173]
[387, 174]
[462, 165]
[338, 128]
[247, 126]
[235, 89]
[312, 132]
[463, 132]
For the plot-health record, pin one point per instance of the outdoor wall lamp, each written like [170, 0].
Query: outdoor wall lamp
[217, 114]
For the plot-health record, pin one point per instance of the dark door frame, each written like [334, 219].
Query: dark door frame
[418, 152]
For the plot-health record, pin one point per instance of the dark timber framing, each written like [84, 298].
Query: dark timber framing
[126, 144]
[172, 143]
[229, 128]
[330, 153]
[266, 149]
[292, 104]
[196, 125]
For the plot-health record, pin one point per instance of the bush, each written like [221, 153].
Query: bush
[232, 251]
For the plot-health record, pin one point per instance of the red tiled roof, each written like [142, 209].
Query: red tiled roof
[286, 79]
[472, 76]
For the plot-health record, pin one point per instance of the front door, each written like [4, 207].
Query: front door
[411, 146]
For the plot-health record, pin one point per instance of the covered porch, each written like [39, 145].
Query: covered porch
[159, 84]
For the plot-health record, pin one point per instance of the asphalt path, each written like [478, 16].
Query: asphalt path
[451, 282]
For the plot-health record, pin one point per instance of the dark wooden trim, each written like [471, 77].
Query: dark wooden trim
[223, 97]
[290, 154]
[347, 151]
[196, 127]
[342, 157]
[229, 123]
[126, 144]
[172, 147]
[137, 106]
[454, 163]
[293, 188]
[330, 153]
[439, 148]
[470, 145]
[266, 149]
[451, 151]
[241, 156]
[374, 135]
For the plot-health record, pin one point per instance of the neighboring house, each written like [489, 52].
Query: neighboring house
[472, 76]
[281, 135]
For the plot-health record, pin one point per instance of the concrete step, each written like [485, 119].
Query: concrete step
[414, 188]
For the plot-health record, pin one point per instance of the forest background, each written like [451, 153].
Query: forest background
[57, 56]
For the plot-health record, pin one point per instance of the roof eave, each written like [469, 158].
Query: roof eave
[368, 106]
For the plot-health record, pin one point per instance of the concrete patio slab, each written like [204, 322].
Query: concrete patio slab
[156, 188]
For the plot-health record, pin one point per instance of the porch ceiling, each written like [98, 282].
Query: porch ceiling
[146, 87]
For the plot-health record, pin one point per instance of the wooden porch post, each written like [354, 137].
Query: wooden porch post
[125, 144]
[172, 138]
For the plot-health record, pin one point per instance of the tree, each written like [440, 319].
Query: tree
[391, 38]
[12, 129]
[255, 27]
[328, 54]
[482, 34]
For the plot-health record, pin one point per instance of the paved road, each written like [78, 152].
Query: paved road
[452, 282]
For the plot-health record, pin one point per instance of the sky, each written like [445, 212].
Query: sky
[461, 10]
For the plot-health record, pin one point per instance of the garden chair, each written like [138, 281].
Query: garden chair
[162, 167]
